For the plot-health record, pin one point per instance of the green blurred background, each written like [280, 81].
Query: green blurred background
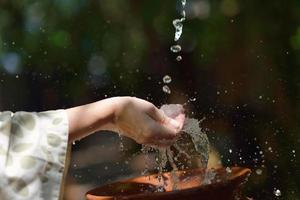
[241, 61]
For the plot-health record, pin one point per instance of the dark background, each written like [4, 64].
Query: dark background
[240, 61]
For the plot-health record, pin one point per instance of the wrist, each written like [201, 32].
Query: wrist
[108, 112]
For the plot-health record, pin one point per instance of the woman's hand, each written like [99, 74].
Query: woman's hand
[129, 116]
[143, 122]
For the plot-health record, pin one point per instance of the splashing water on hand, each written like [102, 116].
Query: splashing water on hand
[192, 145]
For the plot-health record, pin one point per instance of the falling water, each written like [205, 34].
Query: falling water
[175, 48]
[166, 89]
[192, 144]
[178, 25]
[167, 79]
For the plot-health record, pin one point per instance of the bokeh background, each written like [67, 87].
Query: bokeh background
[240, 67]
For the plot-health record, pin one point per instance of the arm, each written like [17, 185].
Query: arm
[87, 119]
[129, 116]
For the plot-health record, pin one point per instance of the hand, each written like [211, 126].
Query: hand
[129, 116]
[146, 124]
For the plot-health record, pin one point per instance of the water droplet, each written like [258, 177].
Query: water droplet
[106, 168]
[177, 23]
[121, 147]
[176, 48]
[160, 188]
[230, 150]
[193, 99]
[17, 76]
[270, 149]
[260, 97]
[179, 58]
[167, 79]
[228, 170]
[277, 192]
[258, 171]
[166, 89]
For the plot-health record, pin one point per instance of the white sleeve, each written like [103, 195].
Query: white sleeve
[33, 148]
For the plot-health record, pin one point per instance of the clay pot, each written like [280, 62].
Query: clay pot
[191, 184]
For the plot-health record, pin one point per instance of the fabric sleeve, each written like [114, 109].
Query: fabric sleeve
[33, 148]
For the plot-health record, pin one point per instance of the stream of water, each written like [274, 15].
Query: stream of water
[193, 144]
[178, 25]
[191, 149]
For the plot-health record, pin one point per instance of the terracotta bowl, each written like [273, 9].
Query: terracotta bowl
[191, 184]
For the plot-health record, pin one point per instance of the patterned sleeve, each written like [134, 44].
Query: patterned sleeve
[33, 148]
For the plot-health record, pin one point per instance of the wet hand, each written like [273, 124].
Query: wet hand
[145, 123]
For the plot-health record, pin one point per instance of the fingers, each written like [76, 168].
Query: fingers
[158, 134]
[172, 110]
[175, 112]
[147, 124]
[155, 113]
[159, 116]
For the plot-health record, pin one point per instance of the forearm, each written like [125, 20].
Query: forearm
[87, 119]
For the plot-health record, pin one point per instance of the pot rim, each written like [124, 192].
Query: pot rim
[236, 177]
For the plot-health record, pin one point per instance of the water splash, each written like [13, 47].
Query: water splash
[199, 140]
[209, 177]
[192, 145]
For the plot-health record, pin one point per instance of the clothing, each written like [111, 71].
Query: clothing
[33, 148]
